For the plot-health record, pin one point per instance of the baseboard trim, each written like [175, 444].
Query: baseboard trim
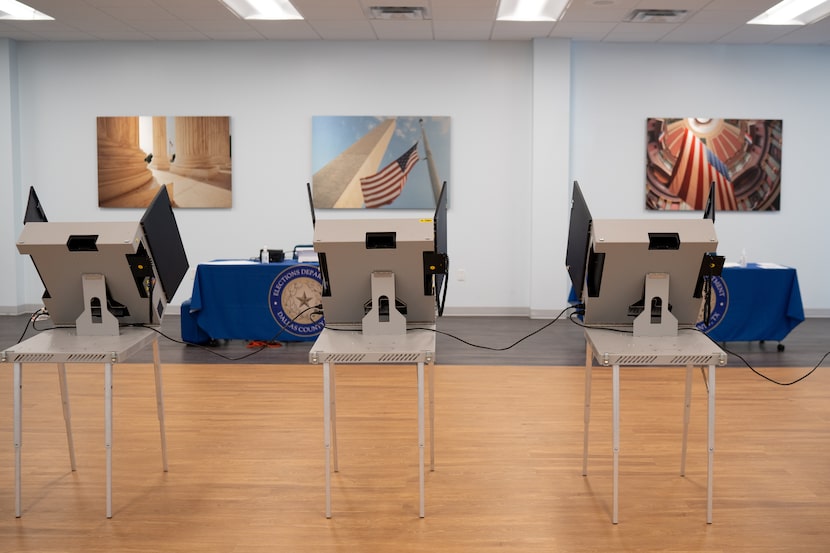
[19, 309]
[502, 312]
[486, 312]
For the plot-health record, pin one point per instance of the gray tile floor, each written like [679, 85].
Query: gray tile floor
[465, 341]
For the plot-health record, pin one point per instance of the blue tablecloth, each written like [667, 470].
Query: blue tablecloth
[756, 302]
[249, 300]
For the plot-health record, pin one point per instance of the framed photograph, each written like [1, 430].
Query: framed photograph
[190, 154]
[740, 157]
[366, 162]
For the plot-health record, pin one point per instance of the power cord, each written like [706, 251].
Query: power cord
[282, 329]
[770, 379]
[37, 314]
[745, 362]
[578, 310]
[203, 347]
[491, 348]
[31, 321]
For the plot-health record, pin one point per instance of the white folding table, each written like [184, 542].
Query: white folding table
[687, 348]
[353, 347]
[62, 346]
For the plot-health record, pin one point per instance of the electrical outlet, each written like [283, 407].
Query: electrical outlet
[461, 275]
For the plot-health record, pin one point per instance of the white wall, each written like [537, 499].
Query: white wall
[11, 273]
[271, 91]
[527, 119]
[549, 206]
[616, 87]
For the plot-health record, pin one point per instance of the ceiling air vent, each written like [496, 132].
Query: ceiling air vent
[656, 16]
[399, 12]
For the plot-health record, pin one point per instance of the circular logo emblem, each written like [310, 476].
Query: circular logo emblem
[293, 297]
[718, 305]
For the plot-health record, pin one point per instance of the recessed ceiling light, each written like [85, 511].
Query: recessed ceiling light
[263, 9]
[793, 12]
[12, 9]
[531, 10]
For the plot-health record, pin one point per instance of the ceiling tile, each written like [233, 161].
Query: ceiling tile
[692, 33]
[176, 35]
[330, 9]
[755, 34]
[521, 30]
[594, 31]
[342, 30]
[637, 32]
[465, 10]
[462, 30]
[722, 21]
[402, 30]
[285, 30]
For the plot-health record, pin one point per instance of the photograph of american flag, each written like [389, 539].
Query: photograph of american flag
[687, 156]
[696, 169]
[385, 186]
[379, 162]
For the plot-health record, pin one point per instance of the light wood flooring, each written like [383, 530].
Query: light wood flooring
[246, 462]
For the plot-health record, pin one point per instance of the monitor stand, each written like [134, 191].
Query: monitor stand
[90, 323]
[383, 319]
[656, 319]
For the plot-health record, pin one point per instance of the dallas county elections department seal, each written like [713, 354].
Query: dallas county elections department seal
[718, 305]
[292, 299]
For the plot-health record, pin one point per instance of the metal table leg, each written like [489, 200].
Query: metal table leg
[18, 442]
[687, 406]
[432, 417]
[616, 440]
[711, 444]
[586, 416]
[108, 431]
[160, 403]
[67, 414]
[327, 432]
[421, 436]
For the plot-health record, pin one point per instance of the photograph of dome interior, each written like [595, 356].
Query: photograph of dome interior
[685, 156]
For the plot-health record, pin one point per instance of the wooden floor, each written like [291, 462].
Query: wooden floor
[246, 462]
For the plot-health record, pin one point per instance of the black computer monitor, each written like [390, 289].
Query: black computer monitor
[34, 211]
[440, 261]
[439, 220]
[165, 243]
[579, 241]
[709, 211]
[311, 205]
